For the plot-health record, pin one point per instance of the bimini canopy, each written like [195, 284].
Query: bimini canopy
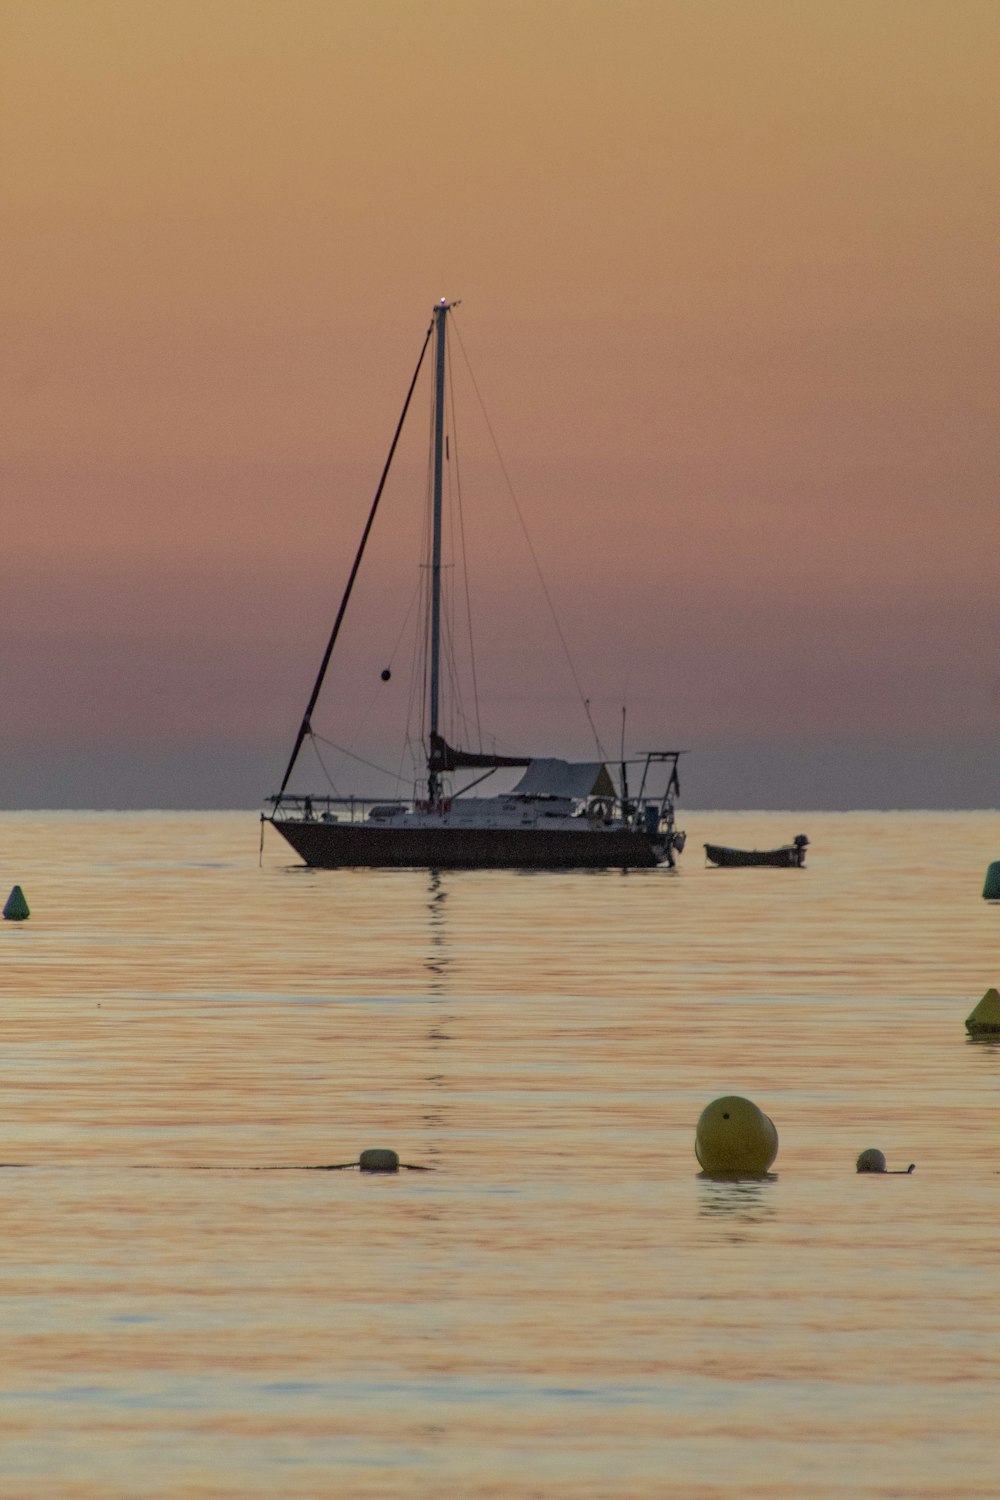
[564, 778]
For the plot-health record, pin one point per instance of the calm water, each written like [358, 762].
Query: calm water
[563, 1307]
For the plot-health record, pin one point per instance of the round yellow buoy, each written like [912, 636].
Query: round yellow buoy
[872, 1160]
[377, 1160]
[985, 1019]
[734, 1138]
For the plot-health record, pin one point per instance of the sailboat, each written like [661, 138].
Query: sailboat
[559, 815]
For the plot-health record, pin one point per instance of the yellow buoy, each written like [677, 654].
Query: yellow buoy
[734, 1138]
[985, 1019]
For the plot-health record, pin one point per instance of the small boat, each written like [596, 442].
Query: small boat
[789, 857]
[559, 815]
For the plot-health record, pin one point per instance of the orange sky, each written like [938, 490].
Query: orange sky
[728, 272]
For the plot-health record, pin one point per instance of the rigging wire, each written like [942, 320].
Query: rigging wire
[465, 560]
[414, 695]
[534, 556]
[322, 765]
[359, 726]
[423, 643]
[451, 708]
[418, 758]
[406, 620]
[343, 750]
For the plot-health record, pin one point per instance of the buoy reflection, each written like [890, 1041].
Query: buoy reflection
[745, 1201]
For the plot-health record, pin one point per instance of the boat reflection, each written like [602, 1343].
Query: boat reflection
[437, 963]
[438, 960]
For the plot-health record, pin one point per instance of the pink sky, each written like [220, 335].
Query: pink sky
[729, 286]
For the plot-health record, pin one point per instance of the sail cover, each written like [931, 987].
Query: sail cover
[564, 778]
[445, 757]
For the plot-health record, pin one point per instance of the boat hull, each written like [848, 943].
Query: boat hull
[787, 858]
[333, 846]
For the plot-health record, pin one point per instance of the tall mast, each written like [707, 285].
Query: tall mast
[440, 319]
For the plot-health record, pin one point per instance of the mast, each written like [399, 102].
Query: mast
[440, 320]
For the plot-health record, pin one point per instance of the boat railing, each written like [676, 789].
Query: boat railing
[653, 815]
[330, 809]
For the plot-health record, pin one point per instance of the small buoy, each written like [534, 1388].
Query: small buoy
[873, 1160]
[377, 1160]
[734, 1138]
[16, 909]
[386, 674]
[984, 1020]
[991, 888]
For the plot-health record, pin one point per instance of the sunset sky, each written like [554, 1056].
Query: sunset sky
[729, 283]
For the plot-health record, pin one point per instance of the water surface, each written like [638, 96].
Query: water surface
[563, 1307]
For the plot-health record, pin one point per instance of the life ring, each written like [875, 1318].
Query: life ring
[600, 810]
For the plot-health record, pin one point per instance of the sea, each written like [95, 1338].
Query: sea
[559, 1305]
